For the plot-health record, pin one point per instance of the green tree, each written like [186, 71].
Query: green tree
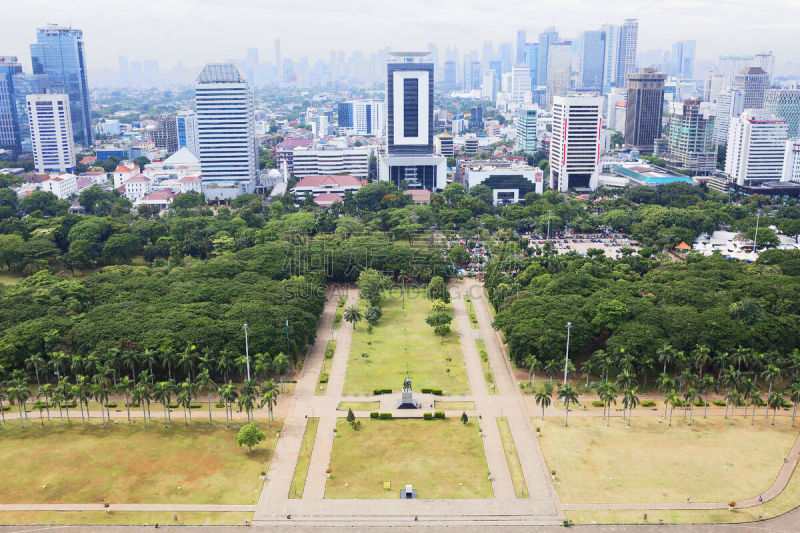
[373, 315]
[458, 255]
[774, 401]
[544, 396]
[249, 436]
[442, 330]
[437, 289]
[269, 397]
[121, 247]
[125, 386]
[569, 396]
[207, 384]
[353, 314]
[371, 285]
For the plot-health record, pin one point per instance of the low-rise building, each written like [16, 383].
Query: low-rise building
[317, 185]
[510, 180]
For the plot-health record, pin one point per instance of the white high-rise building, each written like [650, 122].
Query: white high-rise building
[730, 66]
[729, 104]
[559, 70]
[628, 40]
[753, 82]
[756, 148]
[526, 130]
[785, 103]
[225, 132]
[611, 60]
[617, 94]
[489, 85]
[186, 123]
[791, 161]
[766, 61]
[575, 144]
[308, 161]
[521, 85]
[51, 132]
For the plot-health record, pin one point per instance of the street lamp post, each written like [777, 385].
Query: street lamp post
[246, 351]
[755, 237]
[566, 359]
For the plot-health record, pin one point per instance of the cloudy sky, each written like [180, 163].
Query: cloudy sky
[198, 31]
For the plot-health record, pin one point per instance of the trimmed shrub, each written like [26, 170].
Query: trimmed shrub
[438, 414]
[323, 378]
[648, 403]
[426, 391]
[195, 405]
[597, 403]
[436, 392]
[377, 392]
[385, 416]
[374, 414]
[719, 403]
[111, 405]
[427, 416]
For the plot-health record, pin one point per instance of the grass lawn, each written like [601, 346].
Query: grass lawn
[9, 278]
[359, 406]
[131, 463]
[403, 344]
[514, 466]
[304, 459]
[124, 517]
[488, 376]
[710, 461]
[454, 406]
[440, 458]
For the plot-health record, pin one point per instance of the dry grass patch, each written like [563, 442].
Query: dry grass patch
[124, 518]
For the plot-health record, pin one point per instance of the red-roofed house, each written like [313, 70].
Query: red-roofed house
[88, 159]
[161, 199]
[191, 184]
[419, 196]
[327, 199]
[62, 185]
[124, 172]
[137, 187]
[335, 184]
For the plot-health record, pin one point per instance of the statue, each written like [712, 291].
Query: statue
[407, 401]
[407, 384]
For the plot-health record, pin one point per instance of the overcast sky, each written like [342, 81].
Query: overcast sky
[200, 31]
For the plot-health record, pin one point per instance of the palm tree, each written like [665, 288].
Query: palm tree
[755, 395]
[707, 383]
[746, 387]
[225, 363]
[353, 314]
[130, 359]
[20, 394]
[97, 394]
[665, 383]
[162, 393]
[531, 363]
[609, 396]
[775, 401]
[269, 397]
[671, 398]
[76, 393]
[126, 386]
[701, 356]
[721, 361]
[3, 396]
[625, 381]
[729, 380]
[262, 366]
[771, 373]
[35, 361]
[102, 379]
[188, 360]
[205, 382]
[741, 356]
[551, 368]
[76, 365]
[543, 397]
[228, 394]
[281, 364]
[90, 364]
[148, 357]
[168, 358]
[247, 401]
[735, 397]
[568, 395]
[111, 359]
[45, 391]
[601, 362]
[794, 395]
[689, 396]
[666, 355]
[185, 398]
[64, 392]
[83, 393]
[59, 362]
[141, 395]
[587, 367]
[630, 401]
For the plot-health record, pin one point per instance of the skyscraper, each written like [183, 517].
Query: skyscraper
[58, 52]
[521, 39]
[450, 75]
[756, 148]
[628, 39]
[575, 144]
[520, 84]
[690, 139]
[611, 58]
[785, 104]
[25, 84]
[532, 61]
[225, 132]
[753, 82]
[548, 36]
[645, 107]
[526, 130]
[165, 134]
[681, 62]
[186, 124]
[728, 104]
[766, 61]
[9, 121]
[51, 132]
[559, 69]
[279, 63]
[591, 56]
[410, 160]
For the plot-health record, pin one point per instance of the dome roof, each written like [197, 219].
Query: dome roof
[274, 173]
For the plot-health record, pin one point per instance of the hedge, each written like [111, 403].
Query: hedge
[378, 392]
[374, 414]
[385, 416]
[598, 403]
[427, 416]
[435, 392]
[438, 414]
[648, 403]
[323, 378]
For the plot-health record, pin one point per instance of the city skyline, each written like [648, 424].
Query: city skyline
[168, 33]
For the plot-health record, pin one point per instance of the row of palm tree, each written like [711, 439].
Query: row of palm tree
[115, 363]
[64, 393]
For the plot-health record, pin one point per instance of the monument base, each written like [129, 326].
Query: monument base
[407, 401]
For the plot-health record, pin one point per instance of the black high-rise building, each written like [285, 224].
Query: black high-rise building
[409, 108]
[644, 109]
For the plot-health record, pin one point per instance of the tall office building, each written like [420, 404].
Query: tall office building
[521, 39]
[559, 70]
[628, 40]
[690, 139]
[546, 38]
[730, 66]
[279, 63]
[410, 161]
[644, 109]
[532, 61]
[766, 61]
[186, 124]
[791, 161]
[756, 148]
[489, 85]
[785, 104]
[728, 104]
[25, 84]
[361, 117]
[58, 52]
[225, 132]
[611, 57]
[472, 75]
[520, 84]
[450, 77]
[9, 120]
[753, 82]
[51, 132]
[591, 55]
[681, 60]
[165, 134]
[526, 130]
[575, 144]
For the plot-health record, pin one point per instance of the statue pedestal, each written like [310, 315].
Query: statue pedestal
[407, 401]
